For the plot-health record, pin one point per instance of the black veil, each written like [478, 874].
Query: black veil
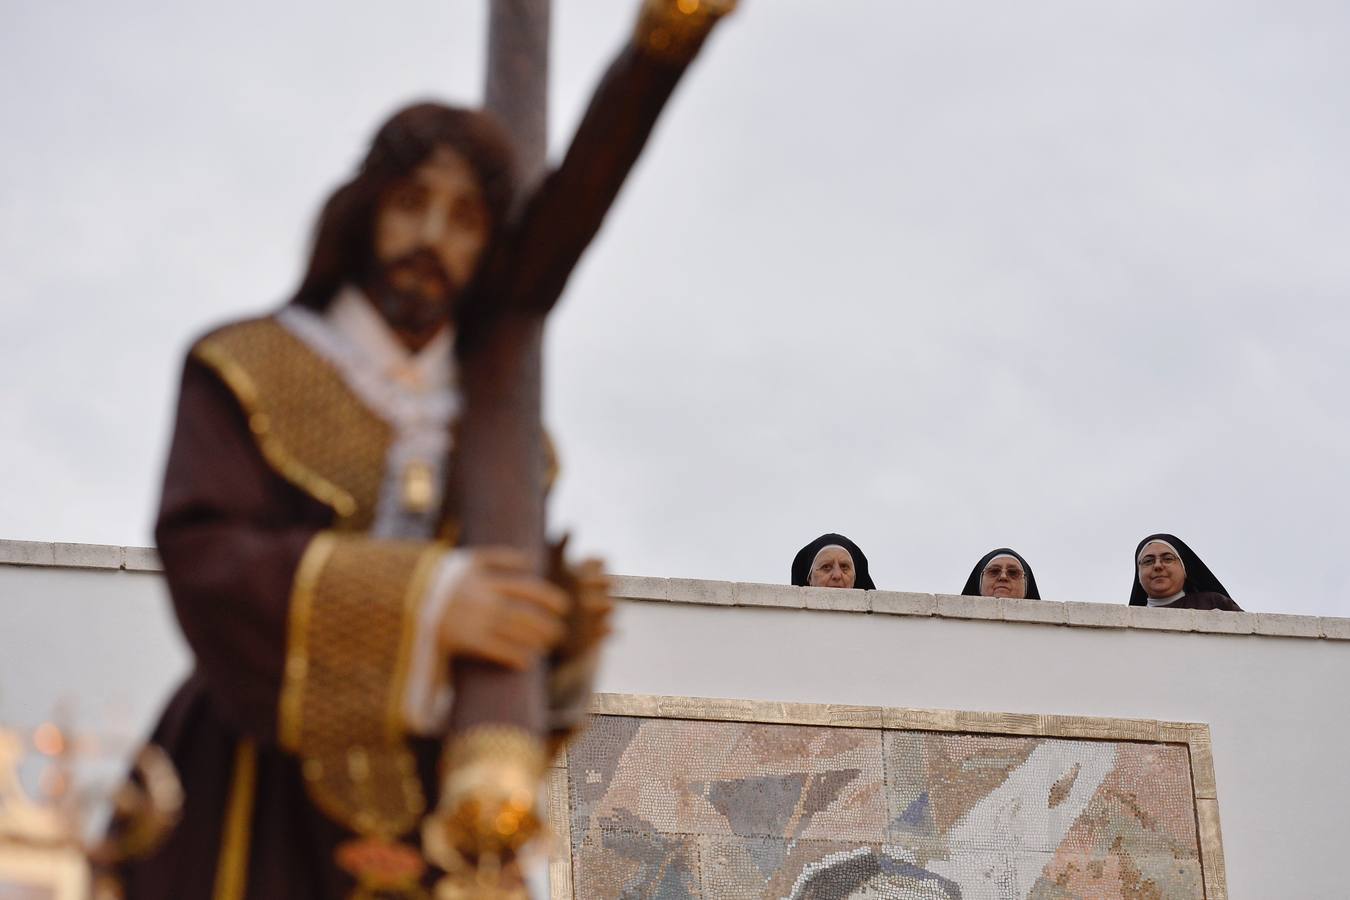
[972, 588]
[1199, 579]
[801, 563]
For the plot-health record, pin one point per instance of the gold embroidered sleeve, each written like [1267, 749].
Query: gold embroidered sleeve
[354, 606]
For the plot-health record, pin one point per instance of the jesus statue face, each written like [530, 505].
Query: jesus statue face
[430, 232]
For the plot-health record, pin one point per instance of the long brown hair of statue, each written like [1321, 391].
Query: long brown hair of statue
[343, 243]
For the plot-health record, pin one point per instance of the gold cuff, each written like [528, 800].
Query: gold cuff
[488, 810]
[673, 30]
[353, 613]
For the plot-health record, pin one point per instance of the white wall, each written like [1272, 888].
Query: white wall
[1277, 706]
[104, 640]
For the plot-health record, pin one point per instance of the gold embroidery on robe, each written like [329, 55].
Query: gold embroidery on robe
[353, 610]
[311, 428]
[232, 863]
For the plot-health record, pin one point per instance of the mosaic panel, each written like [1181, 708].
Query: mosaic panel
[682, 808]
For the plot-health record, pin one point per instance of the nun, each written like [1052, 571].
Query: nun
[831, 560]
[1002, 573]
[1168, 575]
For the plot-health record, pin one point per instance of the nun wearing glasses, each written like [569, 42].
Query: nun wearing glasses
[1168, 575]
[1002, 573]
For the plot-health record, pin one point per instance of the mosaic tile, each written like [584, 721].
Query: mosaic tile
[636, 865]
[865, 873]
[725, 778]
[743, 867]
[674, 808]
[1082, 876]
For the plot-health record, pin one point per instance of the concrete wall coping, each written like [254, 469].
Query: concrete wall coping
[776, 596]
[79, 556]
[946, 606]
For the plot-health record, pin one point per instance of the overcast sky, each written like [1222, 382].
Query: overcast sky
[940, 276]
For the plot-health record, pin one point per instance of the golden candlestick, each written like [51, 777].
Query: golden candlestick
[45, 835]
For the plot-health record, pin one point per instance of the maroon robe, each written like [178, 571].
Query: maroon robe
[267, 499]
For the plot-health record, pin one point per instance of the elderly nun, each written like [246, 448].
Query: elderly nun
[1168, 575]
[1002, 573]
[831, 560]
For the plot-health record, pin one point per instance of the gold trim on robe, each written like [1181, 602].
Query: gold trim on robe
[236, 838]
[309, 425]
[354, 607]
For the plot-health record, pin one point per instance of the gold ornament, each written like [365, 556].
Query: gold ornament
[488, 811]
[382, 869]
[51, 828]
[418, 487]
[673, 30]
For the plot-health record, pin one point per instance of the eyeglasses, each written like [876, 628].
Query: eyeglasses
[1167, 559]
[1013, 574]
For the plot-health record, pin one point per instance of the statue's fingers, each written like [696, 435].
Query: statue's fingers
[591, 565]
[596, 600]
[501, 559]
[535, 592]
[529, 627]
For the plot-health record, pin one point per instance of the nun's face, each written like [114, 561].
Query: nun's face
[1004, 577]
[1160, 571]
[833, 567]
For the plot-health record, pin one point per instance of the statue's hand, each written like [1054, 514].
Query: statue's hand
[573, 665]
[500, 611]
[588, 620]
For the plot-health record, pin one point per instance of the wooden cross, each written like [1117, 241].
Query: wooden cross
[498, 469]
[499, 452]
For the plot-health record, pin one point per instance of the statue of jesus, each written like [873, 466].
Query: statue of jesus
[308, 537]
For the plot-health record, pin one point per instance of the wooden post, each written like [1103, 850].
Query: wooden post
[500, 453]
[517, 79]
[495, 755]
